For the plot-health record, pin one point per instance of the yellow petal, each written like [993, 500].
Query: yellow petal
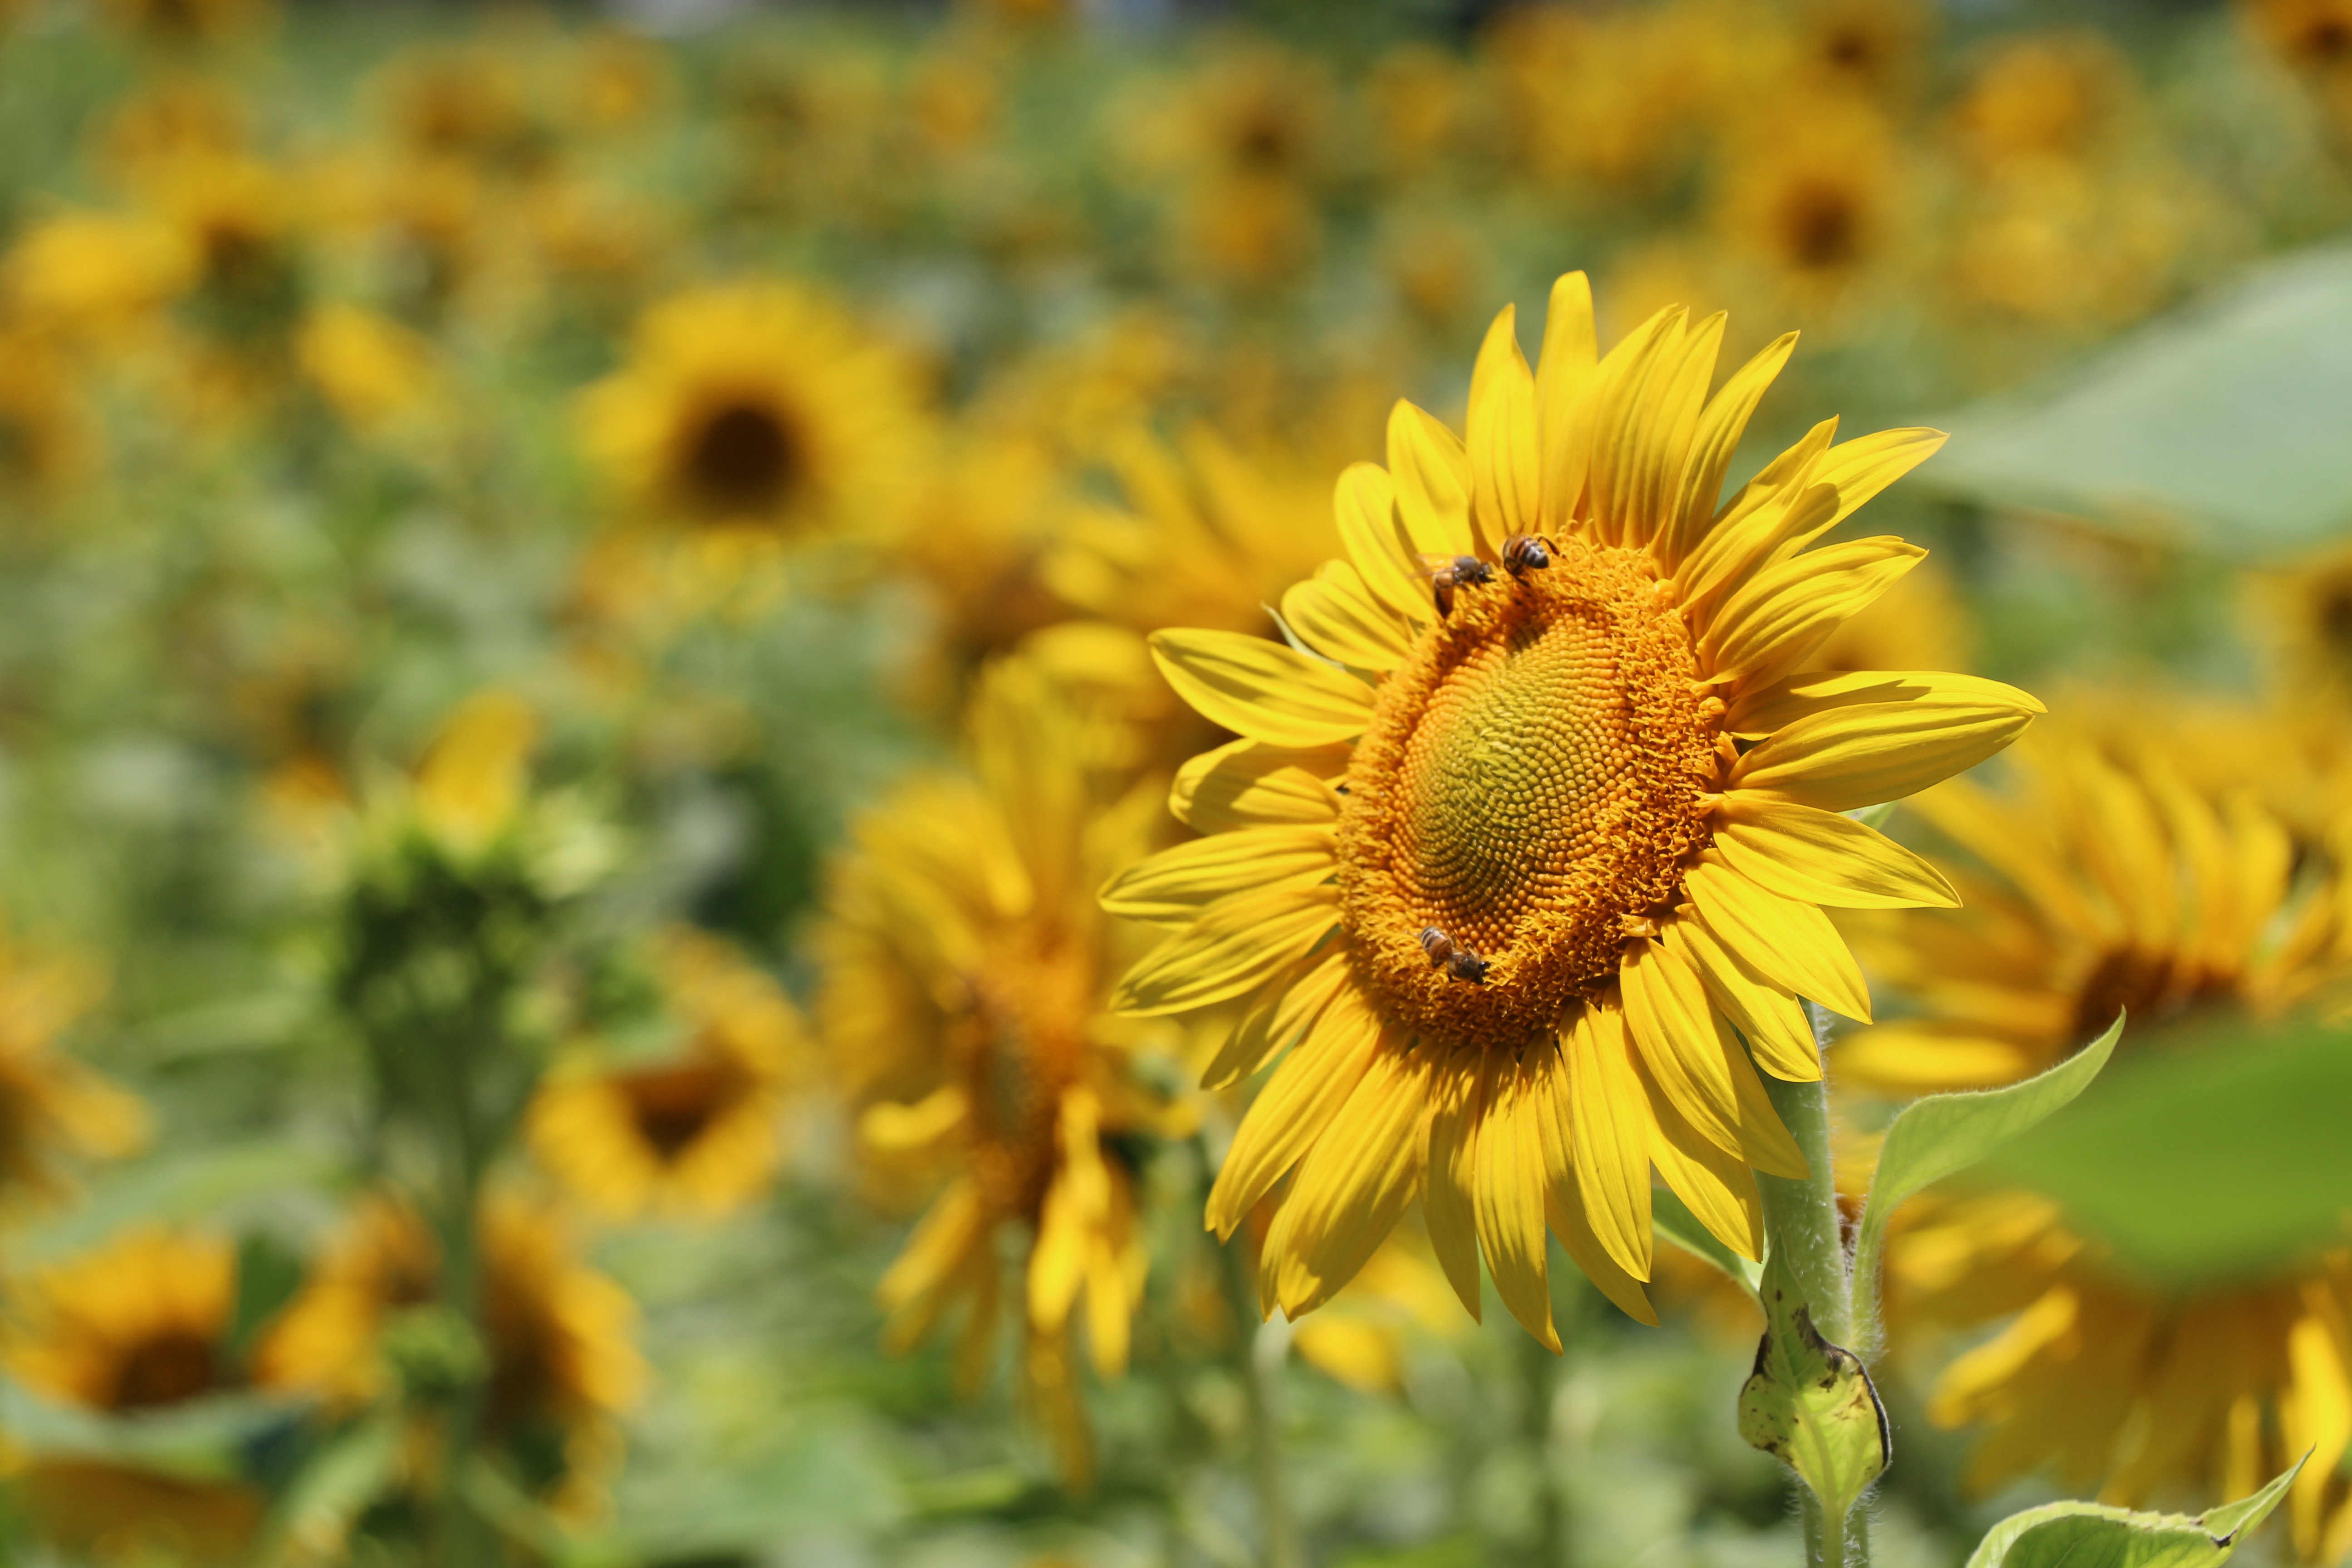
[1822, 858]
[1235, 943]
[1622, 433]
[1505, 462]
[1717, 1186]
[1176, 883]
[1334, 614]
[1575, 1232]
[1773, 1020]
[1375, 540]
[1791, 944]
[1449, 1205]
[1690, 1050]
[1676, 397]
[1355, 1183]
[1858, 754]
[1298, 1102]
[1736, 550]
[1510, 1195]
[1564, 377]
[1287, 1009]
[1916, 1057]
[1432, 469]
[1868, 464]
[1768, 627]
[1763, 710]
[1609, 1125]
[1263, 690]
[1247, 783]
[1717, 438]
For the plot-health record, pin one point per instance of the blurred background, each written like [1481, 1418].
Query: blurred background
[570, 577]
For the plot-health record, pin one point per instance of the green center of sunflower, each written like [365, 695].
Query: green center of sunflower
[1528, 789]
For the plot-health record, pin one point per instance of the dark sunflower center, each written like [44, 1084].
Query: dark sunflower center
[166, 1370]
[745, 458]
[673, 1107]
[2154, 988]
[2329, 39]
[1820, 226]
[1529, 786]
[1013, 1054]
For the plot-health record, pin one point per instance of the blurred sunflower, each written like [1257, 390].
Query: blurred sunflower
[561, 1364]
[1509, 848]
[762, 408]
[1868, 47]
[965, 967]
[2109, 883]
[372, 369]
[1812, 199]
[696, 1134]
[238, 223]
[2313, 39]
[139, 1325]
[2305, 612]
[181, 24]
[85, 277]
[1644, 77]
[52, 1107]
[176, 116]
[47, 433]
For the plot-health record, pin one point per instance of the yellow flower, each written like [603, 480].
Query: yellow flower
[1814, 202]
[696, 1133]
[2109, 883]
[371, 369]
[140, 1325]
[760, 407]
[1504, 863]
[2305, 613]
[475, 774]
[46, 432]
[93, 276]
[557, 1331]
[1641, 78]
[966, 964]
[52, 1106]
[182, 22]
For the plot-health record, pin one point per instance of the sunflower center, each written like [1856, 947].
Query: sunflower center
[165, 1370]
[1527, 788]
[1017, 1050]
[1820, 226]
[745, 458]
[673, 1106]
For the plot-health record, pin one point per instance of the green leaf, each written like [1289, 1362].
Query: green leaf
[1809, 1403]
[2095, 1535]
[2216, 426]
[2215, 1154]
[1934, 1137]
[315, 1516]
[182, 1188]
[1673, 1221]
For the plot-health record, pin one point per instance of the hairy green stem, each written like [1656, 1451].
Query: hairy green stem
[1262, 1349]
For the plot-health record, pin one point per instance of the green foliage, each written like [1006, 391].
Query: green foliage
[2093, 1535]
[1811, 1403]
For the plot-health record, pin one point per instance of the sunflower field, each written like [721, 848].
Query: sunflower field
[1098, 782]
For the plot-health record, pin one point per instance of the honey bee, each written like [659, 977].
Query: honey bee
[1460, 962]
[1449, 572]
[1525, 553]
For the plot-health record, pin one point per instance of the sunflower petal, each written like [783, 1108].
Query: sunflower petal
[1623, 424]
[1822, 858]
[1719, 1186]
[1247, 783]
[1772, 1020]
[1575, 1232]
[1234, 946]
[1432, 469]
[1505, 462]
[1449, 1203]
[1731, 556]
[1717, 438]
[1293, 1110]
[1868, 464]
[1355, 1183]
[1364, 502]
[1176, 883]
[1263, 690]
[1920, 1056]
[1677, 396]
[1336, 615]
[1864, 753]
[1610, 1146]
[1563, 401]
[1763, 709]
[1790, 944]
[1510, 1194]
[1287, 1007]
[1785, 611]
[1673, 1027]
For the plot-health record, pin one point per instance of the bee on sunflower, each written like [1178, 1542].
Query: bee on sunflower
[1522, 851]
[966, 965]
[696, 1133]
[2107, 883]
[139, 1326]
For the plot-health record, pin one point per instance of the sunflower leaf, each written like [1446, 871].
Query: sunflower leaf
[2096, 1535]
[1936, 1136]
[1671, 1220]
[1808, 1403]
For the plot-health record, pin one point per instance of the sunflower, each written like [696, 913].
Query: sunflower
[694, 1133]
[140, 1324]
[561, 1366]
[2109, 883]
[2314, 39]
[46, 429]
[966, 965]
[759, 408]
[371, 370]
[51, 1106]
[1815, 203]
[183, 24]
[1507, 854]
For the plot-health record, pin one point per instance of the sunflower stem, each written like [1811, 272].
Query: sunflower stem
[1538, 1371]
[1802, 1226]
[1261, 1353]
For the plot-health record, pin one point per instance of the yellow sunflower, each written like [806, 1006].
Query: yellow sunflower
[180, 24]
[695, 1133]
[1813, 198]
[966, 966]
[1541, 810]
[46, 429]
[2107, 882]
[760, 407]
[51, 1106]
[2313, 39]
[140, 1325]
